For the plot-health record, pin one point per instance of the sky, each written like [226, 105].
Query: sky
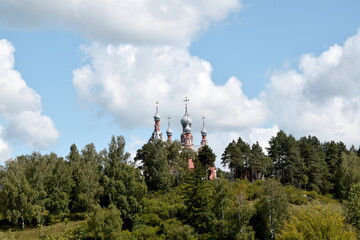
[78, 71]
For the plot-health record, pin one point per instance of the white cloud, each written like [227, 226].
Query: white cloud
[5, 150]
[262, 136]
[126, 81]
[150, 21]
[20, 106]
[320, 98]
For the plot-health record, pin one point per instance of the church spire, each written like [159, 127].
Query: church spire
[186, 122]
[203, 134]
[156, 135]
[169, 131]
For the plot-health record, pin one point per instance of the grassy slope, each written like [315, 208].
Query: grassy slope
[55, 231]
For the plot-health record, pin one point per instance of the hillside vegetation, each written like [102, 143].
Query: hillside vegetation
[301, 189]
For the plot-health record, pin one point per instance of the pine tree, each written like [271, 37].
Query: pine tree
[288, 165]
[236, 156]
[259, 163]
[316, 168]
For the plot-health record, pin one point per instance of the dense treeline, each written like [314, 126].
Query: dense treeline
[292, 192]
[327, 168]
[38, 189]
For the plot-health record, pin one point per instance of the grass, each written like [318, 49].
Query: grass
[55, 231]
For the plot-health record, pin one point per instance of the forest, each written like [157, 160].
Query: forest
[296, 189]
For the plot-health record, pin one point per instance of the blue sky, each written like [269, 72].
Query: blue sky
[251, 67]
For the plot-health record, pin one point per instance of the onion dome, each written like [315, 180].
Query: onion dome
[169, 132]
[186, 120]
[187, 129]
[157, 116]
[203, 132]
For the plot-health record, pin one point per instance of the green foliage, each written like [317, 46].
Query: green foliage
[353, 207]
[105, 186]
[199, 201]
[165, 206]
[316, 221]
[333, 152]
[271, 211]
[289, 167]
[236, 156]
[85, 175]
[78, 233]
[239, 214]
[206, 156]
[155, 166]
[173, 229]
[348, 174]
[259, 163]
[316, 168]
[296, 196]
[17, 195]
[35, 187]
[144, 232]
[122, 184]
[105, 224]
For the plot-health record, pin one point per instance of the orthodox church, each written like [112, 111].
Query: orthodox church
[186, 137]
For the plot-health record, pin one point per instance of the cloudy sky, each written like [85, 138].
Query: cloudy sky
[77, 71]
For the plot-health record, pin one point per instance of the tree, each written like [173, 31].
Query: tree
[288, 165]
[17, 195]
[236, 157]
[353, 207]
[316, 221]
[105, 223]
[348, 174]
[198, 195]
[239, 215]
[206, 158]
[58, 186]
[271, 210]
[155, 165]
[333, 151]
[259, 163]
[123, 185]
[178, 163]
[86, 176]
[316, 168]
[174, 229]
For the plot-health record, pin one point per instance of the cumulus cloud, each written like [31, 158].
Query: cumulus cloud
[263, 135]
[150, 21]
[126, 81]
[20, 107]
[321, 96]
[5, 149]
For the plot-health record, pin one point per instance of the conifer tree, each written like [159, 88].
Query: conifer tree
[259, 163]
[316, 168]
[236, 156]
[288, 165]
